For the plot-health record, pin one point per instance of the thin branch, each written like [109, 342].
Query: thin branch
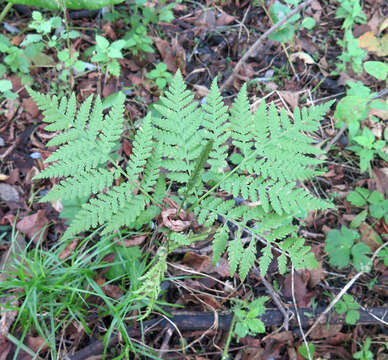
[258, 42]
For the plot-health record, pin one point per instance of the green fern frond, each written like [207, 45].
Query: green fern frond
[88, 183]
[215, 116]
[265, 259]
[178, 130]
[235, 253]
[141, 150]
[248, 259]
[189, 145]
[60, 114]
[151, 280]
[220, 243]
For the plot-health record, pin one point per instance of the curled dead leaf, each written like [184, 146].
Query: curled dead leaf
[173, 223]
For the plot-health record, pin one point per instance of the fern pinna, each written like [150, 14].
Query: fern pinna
[188, 144]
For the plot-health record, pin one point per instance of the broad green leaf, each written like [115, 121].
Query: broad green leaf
[5, 85]
[377, 69]
[361, 261]
[69, 4]
[359, 219]
[358, 196]
[338, 245]
[102, 42]
[308, 23]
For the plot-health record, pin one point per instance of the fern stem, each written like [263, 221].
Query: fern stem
[122, 172]
[226, 176]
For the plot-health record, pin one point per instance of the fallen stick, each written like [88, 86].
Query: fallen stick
[201, 321]
[258, 42]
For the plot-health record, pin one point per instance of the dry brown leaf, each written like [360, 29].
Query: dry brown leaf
[5, 348]
[7, 317]
[292, 98]
[302, 298]
[34, 226]
[70, 247]
[322, 331]
[36, 343]
[9, 193]
[166, 53]
[370, 42]
[381, 176]
[203, 263]
[134, 241]
[30, 107]
[369, 236]
[224, 19]
[201, 90]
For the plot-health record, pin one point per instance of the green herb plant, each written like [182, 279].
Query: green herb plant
[246, 317]
[245, 321]
[302, 350]
[343, 251]
[349, 306]
[106, 54]
[181, 137]
[137, 40]
[351, 111]
[33, 50]
[50, 291]
[351, 12]
[365, 353]
[373, 203]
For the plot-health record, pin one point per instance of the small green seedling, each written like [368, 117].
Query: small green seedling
[367, 147]
[342, 250]
[137, 40]
[351, 53]
[349, 306]
[106, 54]
[365, 353]
[246, 317]
[351, 12]
[160, 75]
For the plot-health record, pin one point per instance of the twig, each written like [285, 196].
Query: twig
[276, 299]
[343, 292]
[258, 42]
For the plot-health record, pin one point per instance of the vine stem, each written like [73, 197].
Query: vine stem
[5, 11]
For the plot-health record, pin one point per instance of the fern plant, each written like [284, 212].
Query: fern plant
[185, 144]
